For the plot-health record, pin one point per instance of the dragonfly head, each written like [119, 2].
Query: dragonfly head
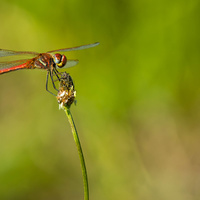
[60, 60]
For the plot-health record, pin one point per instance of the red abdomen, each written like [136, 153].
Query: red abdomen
[5, 70]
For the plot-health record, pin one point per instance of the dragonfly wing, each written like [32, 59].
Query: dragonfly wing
[71, 63]
[9, 64]
[75, 48]
[4, 53]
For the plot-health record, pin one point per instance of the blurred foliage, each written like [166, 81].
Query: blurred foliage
[138, 97]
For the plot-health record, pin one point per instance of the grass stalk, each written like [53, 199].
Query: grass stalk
[80, 152]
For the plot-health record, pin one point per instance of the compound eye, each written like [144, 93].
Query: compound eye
[60, 60]
[57, 58]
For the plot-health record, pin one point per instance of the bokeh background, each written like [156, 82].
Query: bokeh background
[138, 101]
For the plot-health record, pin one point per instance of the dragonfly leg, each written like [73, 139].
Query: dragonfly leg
[51, 75]
[56, 72]
[47, 80]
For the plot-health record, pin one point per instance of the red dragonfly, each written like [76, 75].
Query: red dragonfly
[49, 61]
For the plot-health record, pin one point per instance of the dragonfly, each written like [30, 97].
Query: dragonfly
[50, 61]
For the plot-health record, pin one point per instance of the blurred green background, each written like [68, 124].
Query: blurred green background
[138, 101]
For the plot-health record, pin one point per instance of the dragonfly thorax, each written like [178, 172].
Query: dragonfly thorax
[60, 60]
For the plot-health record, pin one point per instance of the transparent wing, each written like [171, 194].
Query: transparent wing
[70, 63]
[4, 53]
[5, 65]
[75, 48]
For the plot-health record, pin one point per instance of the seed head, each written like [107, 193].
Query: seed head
[66, 94]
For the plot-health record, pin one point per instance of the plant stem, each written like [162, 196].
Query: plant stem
[80, 152]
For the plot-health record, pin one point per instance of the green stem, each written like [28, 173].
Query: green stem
[80, 152]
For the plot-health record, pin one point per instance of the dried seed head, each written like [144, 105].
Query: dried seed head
[66, 94]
